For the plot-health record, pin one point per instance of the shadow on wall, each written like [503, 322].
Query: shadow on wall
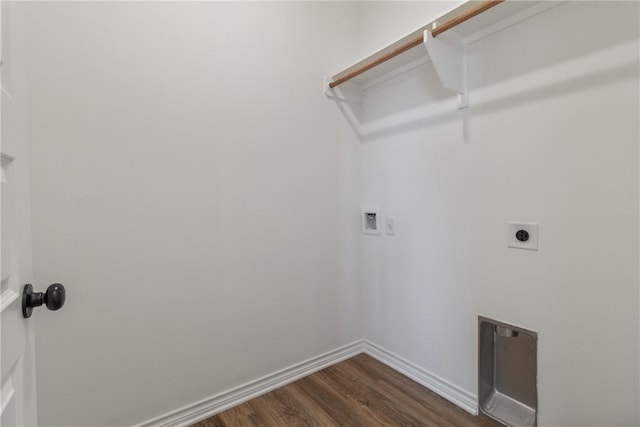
[513, 99]
[559, 38]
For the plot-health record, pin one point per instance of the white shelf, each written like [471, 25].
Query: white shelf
[447, 51]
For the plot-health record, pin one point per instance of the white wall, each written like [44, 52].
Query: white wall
[382, 22]
[196, 194]
[551, 136]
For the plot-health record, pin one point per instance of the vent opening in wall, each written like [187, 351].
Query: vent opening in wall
[507, 373]
[371, 221]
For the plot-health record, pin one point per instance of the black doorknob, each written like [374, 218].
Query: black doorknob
[53, 298]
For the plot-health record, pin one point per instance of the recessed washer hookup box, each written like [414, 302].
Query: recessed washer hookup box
[507, 373]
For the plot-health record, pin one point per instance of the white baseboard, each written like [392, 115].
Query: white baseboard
[213, 405]
[446, 389]
[206, 408]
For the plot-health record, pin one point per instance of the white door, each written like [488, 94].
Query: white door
[17, 358]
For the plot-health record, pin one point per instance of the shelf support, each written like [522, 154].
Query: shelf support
[337, 95]
[449, 58]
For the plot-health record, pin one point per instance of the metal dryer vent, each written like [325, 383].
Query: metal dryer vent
[507, 373]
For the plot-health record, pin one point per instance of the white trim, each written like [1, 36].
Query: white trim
[206, 408]
[512, 20]
[462, 398]
[396, 72]
[7, 298]
[5, 159]
[220, 402]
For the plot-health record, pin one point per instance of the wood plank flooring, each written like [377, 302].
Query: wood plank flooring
[357, 392]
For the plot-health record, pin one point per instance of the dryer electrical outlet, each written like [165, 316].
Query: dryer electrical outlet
[523, 235]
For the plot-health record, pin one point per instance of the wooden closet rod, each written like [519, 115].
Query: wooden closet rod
[485, 5]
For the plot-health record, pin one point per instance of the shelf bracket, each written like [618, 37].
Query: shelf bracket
[449, 57]
[337, 95]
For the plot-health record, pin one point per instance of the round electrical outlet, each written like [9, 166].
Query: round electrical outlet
[522, 235]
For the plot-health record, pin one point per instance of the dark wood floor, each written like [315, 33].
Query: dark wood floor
[357, 392]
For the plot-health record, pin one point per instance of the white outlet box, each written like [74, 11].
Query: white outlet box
[371, 222]
[523, 235]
